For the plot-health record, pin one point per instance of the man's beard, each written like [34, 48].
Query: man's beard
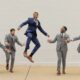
[62, 31]
[13, 34]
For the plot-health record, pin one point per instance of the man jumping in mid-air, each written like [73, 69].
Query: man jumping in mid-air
[33, 24]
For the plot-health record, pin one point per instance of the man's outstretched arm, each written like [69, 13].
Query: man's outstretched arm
[52, 41]
[23, 24]
[76, 38]
[42, 31]
[18, 42]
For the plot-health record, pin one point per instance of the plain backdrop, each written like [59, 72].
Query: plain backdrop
[53, 14]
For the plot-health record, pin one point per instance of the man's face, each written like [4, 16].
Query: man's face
[62, 30]
[13, 33]
[35, 15]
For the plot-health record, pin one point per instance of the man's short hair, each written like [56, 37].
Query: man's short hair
[65, 28]
[36, 12]
[12, 29]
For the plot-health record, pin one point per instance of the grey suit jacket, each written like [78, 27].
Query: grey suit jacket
[12, 40]
[61, 44]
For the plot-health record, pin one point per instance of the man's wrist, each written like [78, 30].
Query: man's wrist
[48, 35]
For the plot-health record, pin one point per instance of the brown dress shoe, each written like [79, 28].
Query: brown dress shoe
[30, 59]
[58, 73]
[64, 72]
[11, 71]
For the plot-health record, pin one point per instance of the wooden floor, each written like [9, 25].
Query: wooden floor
[38, 73]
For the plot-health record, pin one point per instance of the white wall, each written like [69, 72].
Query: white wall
[53, 14]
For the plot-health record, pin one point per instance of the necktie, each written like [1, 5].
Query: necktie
[62, 35]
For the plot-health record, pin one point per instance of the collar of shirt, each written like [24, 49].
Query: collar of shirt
[36, 21]
[62, 34]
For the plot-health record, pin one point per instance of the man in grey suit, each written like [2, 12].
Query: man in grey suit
[62, 40]
[10, 41]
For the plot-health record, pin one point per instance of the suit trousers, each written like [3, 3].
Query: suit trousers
[61, 58]
[12, 57]
[35, 41]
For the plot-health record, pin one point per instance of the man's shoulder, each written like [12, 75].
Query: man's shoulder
[66, 34]
[30, 18]
[7, 35]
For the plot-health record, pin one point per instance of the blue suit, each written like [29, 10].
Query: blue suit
[31, 33]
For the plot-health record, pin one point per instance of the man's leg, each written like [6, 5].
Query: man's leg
[7, 60]
[64, 61]
[12, 60]
[37, 46]
[27, 46]
[59, 54]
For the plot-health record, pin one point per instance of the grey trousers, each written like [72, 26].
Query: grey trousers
[12, 54]
[12, 57]
[61, 58]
